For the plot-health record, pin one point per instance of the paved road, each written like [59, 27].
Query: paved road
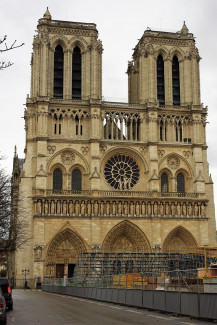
[36, 307]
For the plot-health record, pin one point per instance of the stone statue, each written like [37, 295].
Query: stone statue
[178, 209]
[132, 209]
[58, 207]
[161, 209]
[39, 206]
[125, 208]
[149, 209]
[77, 208]
[46, 210]
[155, 209]
[102, 208]
[196, 209]
[95, 208]
[184, 209]
[89, 208]
[167, 209]
[38, 252]
[114, 208]
[203, 210]
[143, 208]
[173, 209]
[70, 207]
[107, 208]
[82, 208]
[64, 207]
[137, 209]
[119, 208]
[189, 209]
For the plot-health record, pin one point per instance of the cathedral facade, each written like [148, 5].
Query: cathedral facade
[111, 176]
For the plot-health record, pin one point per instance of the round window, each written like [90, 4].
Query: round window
[121, 172]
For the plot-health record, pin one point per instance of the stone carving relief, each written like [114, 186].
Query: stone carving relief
[173, 162]
[186, 154]
[123, 243]
[143, 150]
[85, 150]
[37, 253]
[103, 149]
[67, 157]
[160, 153]
[51, 149]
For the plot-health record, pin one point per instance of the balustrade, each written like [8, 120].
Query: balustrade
[115, 194]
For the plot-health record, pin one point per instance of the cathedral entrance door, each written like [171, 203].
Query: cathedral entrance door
[71, 269]
[59, 270]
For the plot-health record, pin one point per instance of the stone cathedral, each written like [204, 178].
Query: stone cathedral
[111, 176]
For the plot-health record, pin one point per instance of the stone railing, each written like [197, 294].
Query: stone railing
[115, 194]
[111, 105]
[108, 207]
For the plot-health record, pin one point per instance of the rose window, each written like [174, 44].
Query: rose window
[121, 172]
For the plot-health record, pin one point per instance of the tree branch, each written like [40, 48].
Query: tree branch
[4, 65]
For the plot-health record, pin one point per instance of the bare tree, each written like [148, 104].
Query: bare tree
[4, 48]
[13, 225]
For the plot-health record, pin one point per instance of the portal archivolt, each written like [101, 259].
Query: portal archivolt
[126, 237]
[63, 252]
[179, 239]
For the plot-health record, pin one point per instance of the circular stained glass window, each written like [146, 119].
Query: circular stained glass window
[121, 172]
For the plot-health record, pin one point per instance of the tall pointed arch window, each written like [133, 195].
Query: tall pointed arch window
[179, 131]
[160, 80]
[163, 130]
[180, 183]
[58, 72]
[76, 180]
[57, 180]
[176, 81]
[76, 73]
[164, 183]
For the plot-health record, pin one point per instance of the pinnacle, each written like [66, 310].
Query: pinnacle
[47, 14]
[184, 29]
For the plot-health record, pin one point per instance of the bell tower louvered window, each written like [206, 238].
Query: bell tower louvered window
[160, 80]
[180, 183]
[76, 73]
[176, 81]
[58, 72]
[76, 180]
[57, 180]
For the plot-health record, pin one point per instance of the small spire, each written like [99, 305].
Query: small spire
[15, 151]
[47, 14]
[184, 29]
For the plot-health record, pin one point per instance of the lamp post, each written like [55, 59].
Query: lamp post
[25, 272]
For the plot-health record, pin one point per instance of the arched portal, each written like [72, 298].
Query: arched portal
[179, 239]
[62, 253]
[126, 237]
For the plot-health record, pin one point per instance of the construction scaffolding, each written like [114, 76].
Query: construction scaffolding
[93, 267]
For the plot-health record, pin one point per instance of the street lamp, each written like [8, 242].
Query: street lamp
[25, 272]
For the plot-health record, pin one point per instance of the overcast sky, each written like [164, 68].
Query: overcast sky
[120, 24]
